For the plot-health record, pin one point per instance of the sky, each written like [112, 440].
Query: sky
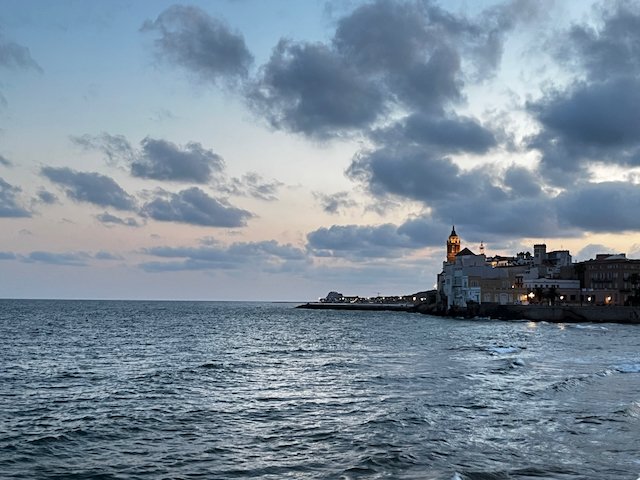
[252, 150]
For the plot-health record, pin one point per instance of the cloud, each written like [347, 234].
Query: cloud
[589, 123]
[385, 57]
[90, 187]
[163, 160]
[9, 206]
[5, 162]
[411, 173]
[16, 56]
[308, 88]
[590, 251]
[601, 207]
[74, 259]
[45, 197]
[7, 256]
[114, 147]
[195, 207]
[361, 242]
[159, 159]
[610, 49]
[595, 119]
[102, 255]
[266, 256]
[490, 30]
[252, 185]
[448, 134]
[109, 219]
[199, 43]
[522, 181]
[473, 198]
[333, 203]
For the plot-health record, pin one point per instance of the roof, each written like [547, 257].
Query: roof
[465, 253]
[453, 231]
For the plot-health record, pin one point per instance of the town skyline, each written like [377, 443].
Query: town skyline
[247, 150]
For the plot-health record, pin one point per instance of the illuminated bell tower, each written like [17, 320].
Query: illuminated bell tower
[453, 245]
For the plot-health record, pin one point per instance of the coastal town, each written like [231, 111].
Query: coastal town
[544, 278]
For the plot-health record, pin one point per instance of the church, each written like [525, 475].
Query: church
[475, 278]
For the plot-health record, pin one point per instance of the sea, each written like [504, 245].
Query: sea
[224, 390]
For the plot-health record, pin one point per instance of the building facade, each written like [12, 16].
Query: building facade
[610, 280]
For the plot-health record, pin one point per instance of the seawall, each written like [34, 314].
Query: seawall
[564, 314]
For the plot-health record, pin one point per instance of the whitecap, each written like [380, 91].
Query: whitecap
[590, 327]
[628, 368]
[518, 362]
[503, 350]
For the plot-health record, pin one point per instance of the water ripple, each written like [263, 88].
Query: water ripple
[146, 390]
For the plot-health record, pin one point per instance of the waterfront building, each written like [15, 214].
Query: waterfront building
[544, 277]
[609, 280]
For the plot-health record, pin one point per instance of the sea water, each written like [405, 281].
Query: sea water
[152, 390]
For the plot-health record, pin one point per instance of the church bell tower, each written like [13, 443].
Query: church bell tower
[453, 245]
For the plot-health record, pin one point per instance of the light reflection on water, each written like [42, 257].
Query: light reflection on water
[132, 390]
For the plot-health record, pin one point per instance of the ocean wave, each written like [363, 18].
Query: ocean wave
[628, 368]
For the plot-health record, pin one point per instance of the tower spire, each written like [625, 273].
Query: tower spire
[453, 245]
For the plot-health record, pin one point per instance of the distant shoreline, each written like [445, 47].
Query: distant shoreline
[359, 306]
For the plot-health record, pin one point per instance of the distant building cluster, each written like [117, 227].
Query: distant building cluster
[420, 297]
[542, 278]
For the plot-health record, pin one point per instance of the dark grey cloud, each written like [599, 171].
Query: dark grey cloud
[335, 202]
[450, 134]
[163, 160]
[265, 256]
[601, 207]
[425, 231]
[109, 219]
[74, 259]
[159, 159]
[156, 159]
[90, 187]
[609, 49]
[385, 56]
[409, 45]
[596, 118]
[199, 43]
[195, 207]
[102, 255]
[590, 123]
[251, 185]
[9, 203]
[7, 256]
[523, 182]
[477, 199]
[500, 216]
[410, 173]
[355, 241]
[4, 161]
[45, 197]
[308, 88]
[16, 56]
